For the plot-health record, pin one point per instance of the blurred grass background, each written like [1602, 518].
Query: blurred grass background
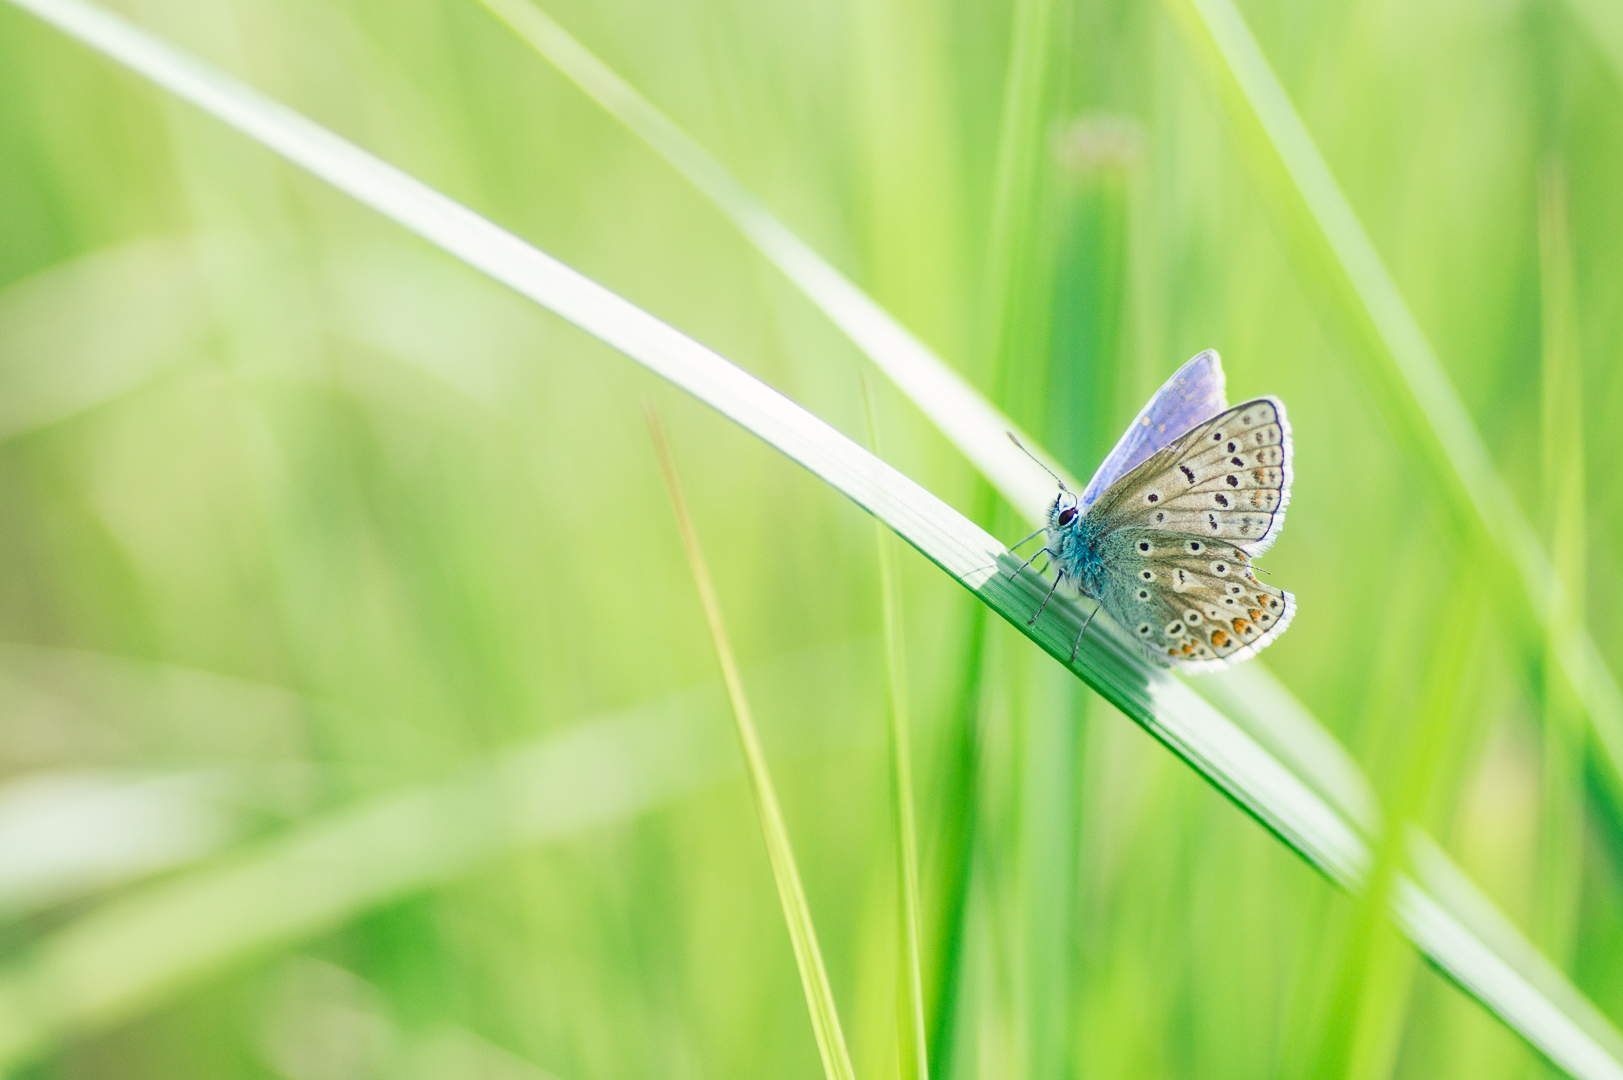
[298, 514]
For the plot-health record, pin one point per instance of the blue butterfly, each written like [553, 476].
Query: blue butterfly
[1164, 534]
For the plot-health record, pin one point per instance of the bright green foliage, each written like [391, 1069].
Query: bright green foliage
[295, 501]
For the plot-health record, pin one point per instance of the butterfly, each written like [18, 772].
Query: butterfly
[1164, 535]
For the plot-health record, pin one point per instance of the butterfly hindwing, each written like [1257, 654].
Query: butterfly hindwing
[1189, 600]
[1225, 479]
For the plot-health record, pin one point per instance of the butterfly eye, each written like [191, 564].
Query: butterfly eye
[1066, 516]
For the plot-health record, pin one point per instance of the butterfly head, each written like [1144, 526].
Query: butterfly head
[1065, 509]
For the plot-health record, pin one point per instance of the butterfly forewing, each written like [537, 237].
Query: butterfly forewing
[1192, 395]
[1226, 479]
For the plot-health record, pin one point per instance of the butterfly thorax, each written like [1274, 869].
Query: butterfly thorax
[1075, 549]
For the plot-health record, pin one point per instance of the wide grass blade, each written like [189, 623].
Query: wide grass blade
[1208, 741]
[1604, 21]
[1425, 414]
[68, 834]
[141, 950]
[912, 1046]
[796, 912]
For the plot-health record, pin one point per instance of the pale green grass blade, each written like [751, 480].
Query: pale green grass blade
[71, 834]
[913, 1047]
[1019, 151]
[131, 955]
[1363, 1020]
[1604, 21]
[1474, 913]
[1273, 716]
[138, 952]
[966, 418]
[1561, 811]
[785, 874]
[144, 294]
[1210, 743]
[1420, 405]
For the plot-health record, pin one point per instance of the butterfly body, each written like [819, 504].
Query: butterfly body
[1164, 536]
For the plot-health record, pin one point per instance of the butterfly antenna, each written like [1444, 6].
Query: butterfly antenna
[1034, 457]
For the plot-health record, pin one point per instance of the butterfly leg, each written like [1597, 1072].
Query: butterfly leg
[1077, 644]
[1027, 563]
[1044, 604]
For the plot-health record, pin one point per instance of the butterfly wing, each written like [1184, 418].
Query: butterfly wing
[1226, 479]
[1190, 601]
[1193, 394]
[1179, 531]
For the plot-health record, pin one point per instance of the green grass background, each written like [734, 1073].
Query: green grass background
[289, 500]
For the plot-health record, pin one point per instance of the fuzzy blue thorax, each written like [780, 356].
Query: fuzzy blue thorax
[1072, 540]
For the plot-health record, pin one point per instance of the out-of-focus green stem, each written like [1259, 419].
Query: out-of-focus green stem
[796, 912]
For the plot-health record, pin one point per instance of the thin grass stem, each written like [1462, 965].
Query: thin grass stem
[912, 1047]
[791, 894]
[1561, 813]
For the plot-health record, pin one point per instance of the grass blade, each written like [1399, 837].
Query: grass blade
[141, 950]
[1561, 815]
[913, 1048]
[796, 914]
[136, 952]
[1203, 737]
[972, 424]
[1020, 145]
[1431, 425]
[1605, 25]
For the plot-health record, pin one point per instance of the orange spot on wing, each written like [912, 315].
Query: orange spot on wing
[1219, 639]
[1256, 614]
[1241, 626]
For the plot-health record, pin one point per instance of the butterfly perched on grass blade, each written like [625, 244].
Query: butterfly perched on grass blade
[1164, 535]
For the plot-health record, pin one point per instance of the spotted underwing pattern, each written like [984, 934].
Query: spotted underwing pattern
[1190, 601]
[1226, 479]
[1167, 547]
